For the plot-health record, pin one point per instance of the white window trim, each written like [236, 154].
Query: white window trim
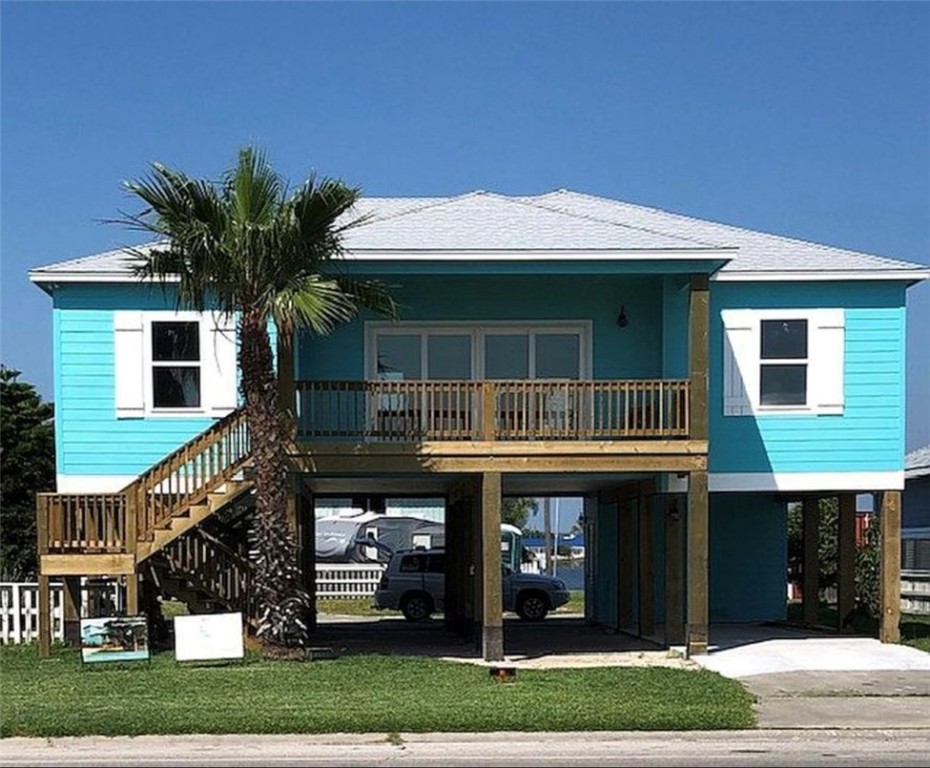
[478, 331]
[742, 361]
[133, 360]
[151, 364]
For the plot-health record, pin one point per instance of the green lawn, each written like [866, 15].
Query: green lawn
[58, 697]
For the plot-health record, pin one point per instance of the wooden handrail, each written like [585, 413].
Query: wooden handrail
[540, 409]
[186, 476]
[83, 522]
[213, 567]
[114, 522]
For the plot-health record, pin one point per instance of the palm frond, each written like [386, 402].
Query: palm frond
[316, 302]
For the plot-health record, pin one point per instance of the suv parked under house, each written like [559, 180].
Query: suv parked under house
[414, 583]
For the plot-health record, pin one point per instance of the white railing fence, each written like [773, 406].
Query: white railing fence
[347, 580]
[19, 607]
[19, 601]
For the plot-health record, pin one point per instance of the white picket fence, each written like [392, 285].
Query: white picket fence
[19, 607]
[19, 601]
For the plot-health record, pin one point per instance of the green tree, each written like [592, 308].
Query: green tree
[827, 546]
[868, 565]
[27, 466]
[516, 510]
[247, 245]
[869, 570]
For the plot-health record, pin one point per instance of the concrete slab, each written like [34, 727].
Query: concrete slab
[740, 651]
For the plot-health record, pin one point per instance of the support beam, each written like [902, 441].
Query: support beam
[890, 629]
[71, 609]
[456, 568]
[699, 323]
[305, 521]
[492, 620]
[698, 548]
[472, 554]
[646, 581]
[674, 622]
[846, 561]
[45, 596]
[625, 531]
[45, 618]
[132, 594]
[810, 568]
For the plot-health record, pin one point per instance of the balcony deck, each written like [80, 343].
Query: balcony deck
[418, 411]
[465, 426]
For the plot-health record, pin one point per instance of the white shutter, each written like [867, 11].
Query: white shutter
[827, 357]
[220, 379]
[740, 361]
[129, 364]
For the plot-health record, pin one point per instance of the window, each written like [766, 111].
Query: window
[783, 361]
[176, 365]
[783, 372]
[493, 351]
[411, 564]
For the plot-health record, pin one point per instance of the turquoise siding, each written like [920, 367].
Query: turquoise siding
[631, 352]
[676, 304]
[748, 557]
[604, 604]
[90, 439]
[869, 435]
[747, 566]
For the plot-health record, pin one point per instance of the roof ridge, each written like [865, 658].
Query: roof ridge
[434, 203]
[736, 228]
[588, 217]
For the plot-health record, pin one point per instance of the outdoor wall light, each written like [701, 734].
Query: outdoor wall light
[621, 318]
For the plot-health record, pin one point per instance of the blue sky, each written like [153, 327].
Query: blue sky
[805, 119]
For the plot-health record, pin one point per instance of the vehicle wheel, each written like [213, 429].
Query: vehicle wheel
[416, 607]
[532, 606]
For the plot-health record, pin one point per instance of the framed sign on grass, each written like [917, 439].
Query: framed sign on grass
[208, 637]
[115, 638]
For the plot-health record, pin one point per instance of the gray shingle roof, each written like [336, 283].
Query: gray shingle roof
[917, 463]
[484, 221]
[556, 221]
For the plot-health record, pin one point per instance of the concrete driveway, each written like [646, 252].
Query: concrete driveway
[812, 680]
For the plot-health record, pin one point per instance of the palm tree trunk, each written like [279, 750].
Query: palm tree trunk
[276, 587]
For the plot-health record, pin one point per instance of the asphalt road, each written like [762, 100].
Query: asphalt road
[722, 748]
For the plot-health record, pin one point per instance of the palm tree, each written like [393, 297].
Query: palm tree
[250, 247]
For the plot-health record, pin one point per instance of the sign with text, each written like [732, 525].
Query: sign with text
[208, 637]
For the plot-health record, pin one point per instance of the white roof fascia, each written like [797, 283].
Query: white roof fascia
[799, 276]
[40, 277]
[407, 254]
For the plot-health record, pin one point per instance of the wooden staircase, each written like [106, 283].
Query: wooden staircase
[152, 527]
[202, 572]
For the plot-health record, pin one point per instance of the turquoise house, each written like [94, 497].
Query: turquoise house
[688, 378]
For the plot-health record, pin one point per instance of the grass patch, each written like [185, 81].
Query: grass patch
[385, 694]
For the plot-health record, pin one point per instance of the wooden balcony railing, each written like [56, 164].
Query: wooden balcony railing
[404, 411]
[113, 522]
[91, 523]
[213, 567]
